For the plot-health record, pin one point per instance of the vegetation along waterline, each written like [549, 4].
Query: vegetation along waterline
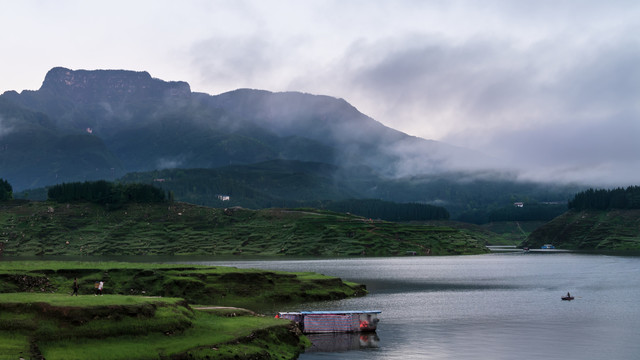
[146, 311]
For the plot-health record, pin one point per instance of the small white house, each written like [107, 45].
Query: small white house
[518, 204]
[223, 197]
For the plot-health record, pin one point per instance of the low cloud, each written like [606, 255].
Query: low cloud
[553, 113]
[238, 62]
[557, 101]
[5, 129]
[170, 163]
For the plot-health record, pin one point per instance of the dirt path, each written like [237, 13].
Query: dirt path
[225, 308]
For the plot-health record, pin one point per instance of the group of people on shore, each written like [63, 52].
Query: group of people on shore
[76, 287]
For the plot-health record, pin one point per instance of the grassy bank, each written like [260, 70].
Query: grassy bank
[113, 327]
[47, 228]
[146, 312]
[219, 285]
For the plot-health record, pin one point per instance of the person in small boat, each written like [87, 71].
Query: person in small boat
[568, 295]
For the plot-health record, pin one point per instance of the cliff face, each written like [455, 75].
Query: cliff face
[112, 85]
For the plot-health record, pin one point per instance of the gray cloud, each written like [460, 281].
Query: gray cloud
[567, 110]
[237, 61]
[555, 108]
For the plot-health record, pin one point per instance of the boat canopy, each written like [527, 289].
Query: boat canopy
[332, 312]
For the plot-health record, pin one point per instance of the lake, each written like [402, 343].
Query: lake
[494, 306]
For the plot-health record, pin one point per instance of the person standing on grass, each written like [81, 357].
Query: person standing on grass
[100, 286]
[75, 287]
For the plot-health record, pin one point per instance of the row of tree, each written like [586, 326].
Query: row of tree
[602, 199]
[106, 193]
[6, 191]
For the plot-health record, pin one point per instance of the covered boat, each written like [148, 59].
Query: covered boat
[333, 321]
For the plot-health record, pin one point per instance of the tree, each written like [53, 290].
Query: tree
[106, 193]
[6, 191]
[602, 199]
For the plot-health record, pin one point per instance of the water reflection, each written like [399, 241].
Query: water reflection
[340, 342]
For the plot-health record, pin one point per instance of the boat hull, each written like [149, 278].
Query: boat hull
[313, 322]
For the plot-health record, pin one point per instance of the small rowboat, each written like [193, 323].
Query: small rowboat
[568, 298]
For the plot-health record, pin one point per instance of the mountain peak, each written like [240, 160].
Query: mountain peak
[100, 85]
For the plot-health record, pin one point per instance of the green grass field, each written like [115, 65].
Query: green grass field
[114, 327]
[219, 285]
[47, 228]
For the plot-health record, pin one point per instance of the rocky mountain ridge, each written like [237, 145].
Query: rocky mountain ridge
[84, 125]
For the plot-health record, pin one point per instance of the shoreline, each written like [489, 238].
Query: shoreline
[190, 311]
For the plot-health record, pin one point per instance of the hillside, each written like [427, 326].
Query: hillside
[47, 228]
[259, 290]
[290, 183]
[603, 230]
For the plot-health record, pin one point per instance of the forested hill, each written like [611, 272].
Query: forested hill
[601, 230]
[598, 219]
[603, 199]
[282, 183]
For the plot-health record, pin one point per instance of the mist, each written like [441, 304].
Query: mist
[4, 128]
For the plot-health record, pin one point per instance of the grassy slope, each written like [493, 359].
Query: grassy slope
[495, 233]
[197, 284]
[114, 327]
[40, 228]
[615, 230]
[38, 317]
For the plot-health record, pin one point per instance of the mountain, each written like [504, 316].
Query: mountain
[262, 148]
[83, 125]
[34, 152]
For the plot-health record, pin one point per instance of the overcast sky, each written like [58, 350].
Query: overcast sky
[550, 85]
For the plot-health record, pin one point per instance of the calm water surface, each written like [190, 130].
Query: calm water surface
[496, 306]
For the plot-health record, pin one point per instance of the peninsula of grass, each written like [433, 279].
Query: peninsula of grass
[218, 285]
[146, 311]
[114, 327]
[31, 228]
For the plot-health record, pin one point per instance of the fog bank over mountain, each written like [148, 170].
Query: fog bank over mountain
[83, 125]
[94, 124]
